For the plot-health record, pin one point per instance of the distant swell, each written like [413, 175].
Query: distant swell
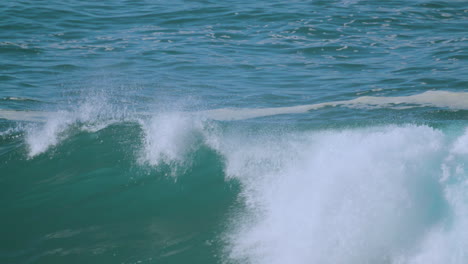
[439, 99]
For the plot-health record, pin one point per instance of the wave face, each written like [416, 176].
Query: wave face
[238, 194]
[234, 132]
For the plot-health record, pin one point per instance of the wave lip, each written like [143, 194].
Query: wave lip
[92, 115]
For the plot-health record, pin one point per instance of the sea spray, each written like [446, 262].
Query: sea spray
[447, 242]
[93, 114]
[169, 138]
[356, 196]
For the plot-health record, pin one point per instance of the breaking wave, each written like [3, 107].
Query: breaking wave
[377, 194]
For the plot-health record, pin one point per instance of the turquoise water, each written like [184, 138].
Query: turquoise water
[234, 132]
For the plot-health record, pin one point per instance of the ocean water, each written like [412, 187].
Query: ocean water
[318, 132]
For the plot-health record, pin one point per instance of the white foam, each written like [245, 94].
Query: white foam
[448, 241]
[356, 196]
[32, 116]
[460, 147]
[443, 99]
[453, 165]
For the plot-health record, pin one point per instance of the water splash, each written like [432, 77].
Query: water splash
[92, 115]
[354, 196]
[168, 138]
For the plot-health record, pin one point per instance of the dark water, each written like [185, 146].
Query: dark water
[233, 132]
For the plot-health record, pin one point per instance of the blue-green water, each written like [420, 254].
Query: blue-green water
[234, 132]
